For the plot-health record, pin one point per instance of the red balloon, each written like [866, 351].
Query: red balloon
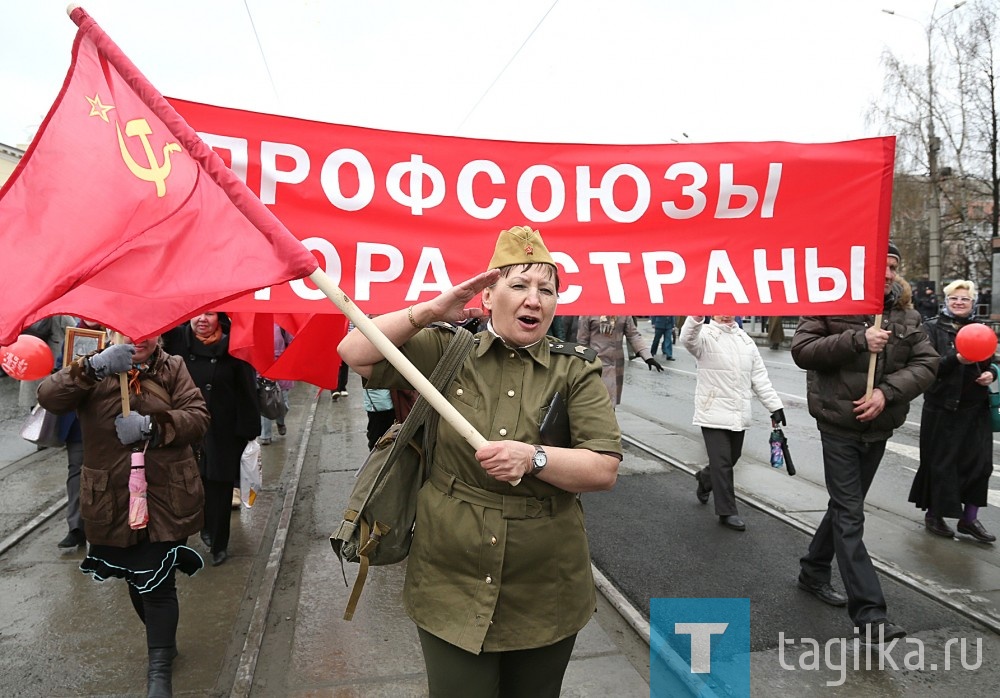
[976, 342]
[28, 358]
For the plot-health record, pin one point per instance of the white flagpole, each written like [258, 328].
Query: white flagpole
[396, 358]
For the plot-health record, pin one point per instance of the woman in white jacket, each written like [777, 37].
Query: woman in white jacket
[730, 373]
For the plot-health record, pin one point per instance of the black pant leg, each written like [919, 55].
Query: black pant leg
[162, 614]
[849, 467]
[136, 598]
[379, 423]
[454, 673]
[536, 672]
[724, 450]
[218, 512]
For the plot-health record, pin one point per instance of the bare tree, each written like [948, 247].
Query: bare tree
[944, 114]
[982, 46]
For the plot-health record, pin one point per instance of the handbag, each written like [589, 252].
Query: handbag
[270, 399]
[995, 401]
[42, 428]
[377, 526]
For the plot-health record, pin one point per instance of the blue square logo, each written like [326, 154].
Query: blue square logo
[696, 644]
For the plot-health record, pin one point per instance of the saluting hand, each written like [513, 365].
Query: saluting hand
[450, 305]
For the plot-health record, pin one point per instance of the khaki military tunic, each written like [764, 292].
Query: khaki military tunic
[495, 567]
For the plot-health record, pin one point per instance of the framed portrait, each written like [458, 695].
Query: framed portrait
[80, 341]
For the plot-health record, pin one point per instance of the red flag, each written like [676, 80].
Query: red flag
[119, 213]
[311, 356]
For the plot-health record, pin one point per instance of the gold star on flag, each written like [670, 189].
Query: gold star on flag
[99, 109]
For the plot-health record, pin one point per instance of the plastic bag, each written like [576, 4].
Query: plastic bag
[250, 473]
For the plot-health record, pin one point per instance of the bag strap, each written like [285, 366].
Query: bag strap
[157, 390]
[422, 411]
[154, 388]
[460, 346]
[440, 378]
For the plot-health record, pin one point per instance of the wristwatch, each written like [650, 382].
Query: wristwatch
[539, 460]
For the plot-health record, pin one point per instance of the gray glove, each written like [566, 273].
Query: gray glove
[135, 427]
[115, 359]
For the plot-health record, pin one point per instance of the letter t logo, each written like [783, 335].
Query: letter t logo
[701, 643]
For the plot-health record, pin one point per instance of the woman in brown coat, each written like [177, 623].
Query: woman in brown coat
[167, 415]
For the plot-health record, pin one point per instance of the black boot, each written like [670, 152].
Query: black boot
[161, 660]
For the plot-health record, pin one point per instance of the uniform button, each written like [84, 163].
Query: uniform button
[503, 432]
[214, 360]
[493, 540]
[491, 622]
[512, 355]
[489, 579]
[459, 392]
[510, 393]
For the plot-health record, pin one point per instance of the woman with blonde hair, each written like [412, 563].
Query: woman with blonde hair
[956, 437]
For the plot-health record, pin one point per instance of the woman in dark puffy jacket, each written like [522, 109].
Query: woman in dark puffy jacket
[956, 435]
[167, 414]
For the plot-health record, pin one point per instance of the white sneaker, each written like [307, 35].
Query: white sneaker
[344, 393]
[335, 395]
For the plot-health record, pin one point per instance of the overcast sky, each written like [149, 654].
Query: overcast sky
[592, 71]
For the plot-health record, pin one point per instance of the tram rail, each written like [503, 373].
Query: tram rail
[38, 483]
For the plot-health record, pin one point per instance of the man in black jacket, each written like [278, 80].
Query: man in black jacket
[854, 427]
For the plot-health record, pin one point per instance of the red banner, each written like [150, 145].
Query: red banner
[744, 228]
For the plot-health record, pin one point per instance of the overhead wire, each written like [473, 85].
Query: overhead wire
[261, 49]
[504, 69]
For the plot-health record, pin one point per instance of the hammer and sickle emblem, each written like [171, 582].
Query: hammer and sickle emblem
[155, 172]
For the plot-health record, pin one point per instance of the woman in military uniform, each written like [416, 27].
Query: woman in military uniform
[498, 579]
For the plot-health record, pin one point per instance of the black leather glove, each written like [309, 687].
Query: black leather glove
[778, 417]
[135, 427]
[653, 363]
[115, 359]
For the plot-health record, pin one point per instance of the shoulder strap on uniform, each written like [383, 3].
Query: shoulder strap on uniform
[581, 351]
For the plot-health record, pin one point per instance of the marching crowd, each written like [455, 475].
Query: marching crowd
[501, 586]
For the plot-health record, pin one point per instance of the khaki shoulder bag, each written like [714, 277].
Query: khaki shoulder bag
[378, 523]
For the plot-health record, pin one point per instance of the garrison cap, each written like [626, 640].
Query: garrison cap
[520, 245]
